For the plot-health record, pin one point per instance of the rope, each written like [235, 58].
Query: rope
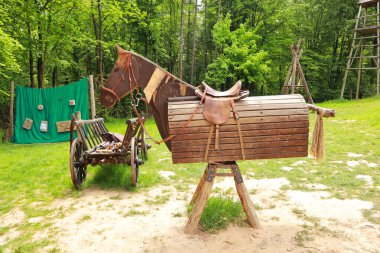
[318, 145]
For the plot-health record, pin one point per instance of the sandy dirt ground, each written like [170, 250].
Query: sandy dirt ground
[292, 221]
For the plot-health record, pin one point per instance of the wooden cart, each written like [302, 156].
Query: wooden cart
[95, 145]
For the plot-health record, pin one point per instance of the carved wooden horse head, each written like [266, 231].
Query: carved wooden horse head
[132, 71]
[121, 80]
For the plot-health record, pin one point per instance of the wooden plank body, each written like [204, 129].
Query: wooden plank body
[271, 126]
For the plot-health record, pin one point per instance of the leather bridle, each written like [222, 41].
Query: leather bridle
[132, 77]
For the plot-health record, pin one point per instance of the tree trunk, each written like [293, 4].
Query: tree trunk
[188, 33]
[194, 42]
[54, 77]
[31, 60]
[40, 71]
[40, 60]
[217, 19]
[66, 78]
[100, 39]
[332, 70]
[205, 40]
[76, 58]
[181, 41]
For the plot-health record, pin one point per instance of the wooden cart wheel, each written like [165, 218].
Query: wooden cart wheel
[144, 147]
[134, 162]
[78, 168]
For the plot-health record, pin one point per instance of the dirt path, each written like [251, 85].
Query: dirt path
[153, 221]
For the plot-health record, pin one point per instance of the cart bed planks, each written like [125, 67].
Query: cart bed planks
[271, 126]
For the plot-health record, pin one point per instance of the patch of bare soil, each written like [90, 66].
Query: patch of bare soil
[153, 221]
[10, 220]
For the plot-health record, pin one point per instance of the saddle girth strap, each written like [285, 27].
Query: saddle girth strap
[216, 127]
[237, 119]
[209, 142]
[217, 137]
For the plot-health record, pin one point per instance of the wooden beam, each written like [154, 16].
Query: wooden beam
[328, 112]
[92, 96]
[199, 187]
[200, 202]
[204, 189]
[11, 109]
[247, 204]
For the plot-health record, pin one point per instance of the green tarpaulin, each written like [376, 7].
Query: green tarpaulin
[56, 108]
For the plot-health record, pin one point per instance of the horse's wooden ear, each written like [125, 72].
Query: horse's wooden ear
[120, 50]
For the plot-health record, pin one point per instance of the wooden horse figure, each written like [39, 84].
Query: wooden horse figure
[272, 126]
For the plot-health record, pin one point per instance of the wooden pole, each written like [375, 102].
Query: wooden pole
[247, 204]
[304, 83]
[199, 187]
[204, 189]
[378, 49]
[360, 70]
[78, 116]
[296, 56]
[92, 96]
[200, 202]
[294, 73]
[295, 51]
[349, 63]
[11, 115]
[284, 88]
[291, 77]
[9, 131]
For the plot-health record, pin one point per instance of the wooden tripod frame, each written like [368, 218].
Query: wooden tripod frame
[295, 79]
[204, 188]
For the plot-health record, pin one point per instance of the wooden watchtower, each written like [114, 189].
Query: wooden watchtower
[365, 48]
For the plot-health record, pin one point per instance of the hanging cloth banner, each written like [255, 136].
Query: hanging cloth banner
[47, 107]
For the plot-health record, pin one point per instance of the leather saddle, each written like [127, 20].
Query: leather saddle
[217, 106]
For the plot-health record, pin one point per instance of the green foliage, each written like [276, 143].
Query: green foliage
[8, 51]
[242, 39]
[240, 57]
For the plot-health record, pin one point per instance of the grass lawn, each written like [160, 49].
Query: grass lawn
[33, 176]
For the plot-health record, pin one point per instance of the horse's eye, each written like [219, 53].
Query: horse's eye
[116, 70]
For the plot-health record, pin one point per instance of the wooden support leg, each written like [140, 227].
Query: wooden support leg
[204, 189]
[201, 201]
[360, 70]
[245, 200]
[199, 187]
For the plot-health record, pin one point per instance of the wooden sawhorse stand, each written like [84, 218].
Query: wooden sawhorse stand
[203, 191]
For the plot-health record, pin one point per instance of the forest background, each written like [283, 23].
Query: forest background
[46, 43]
